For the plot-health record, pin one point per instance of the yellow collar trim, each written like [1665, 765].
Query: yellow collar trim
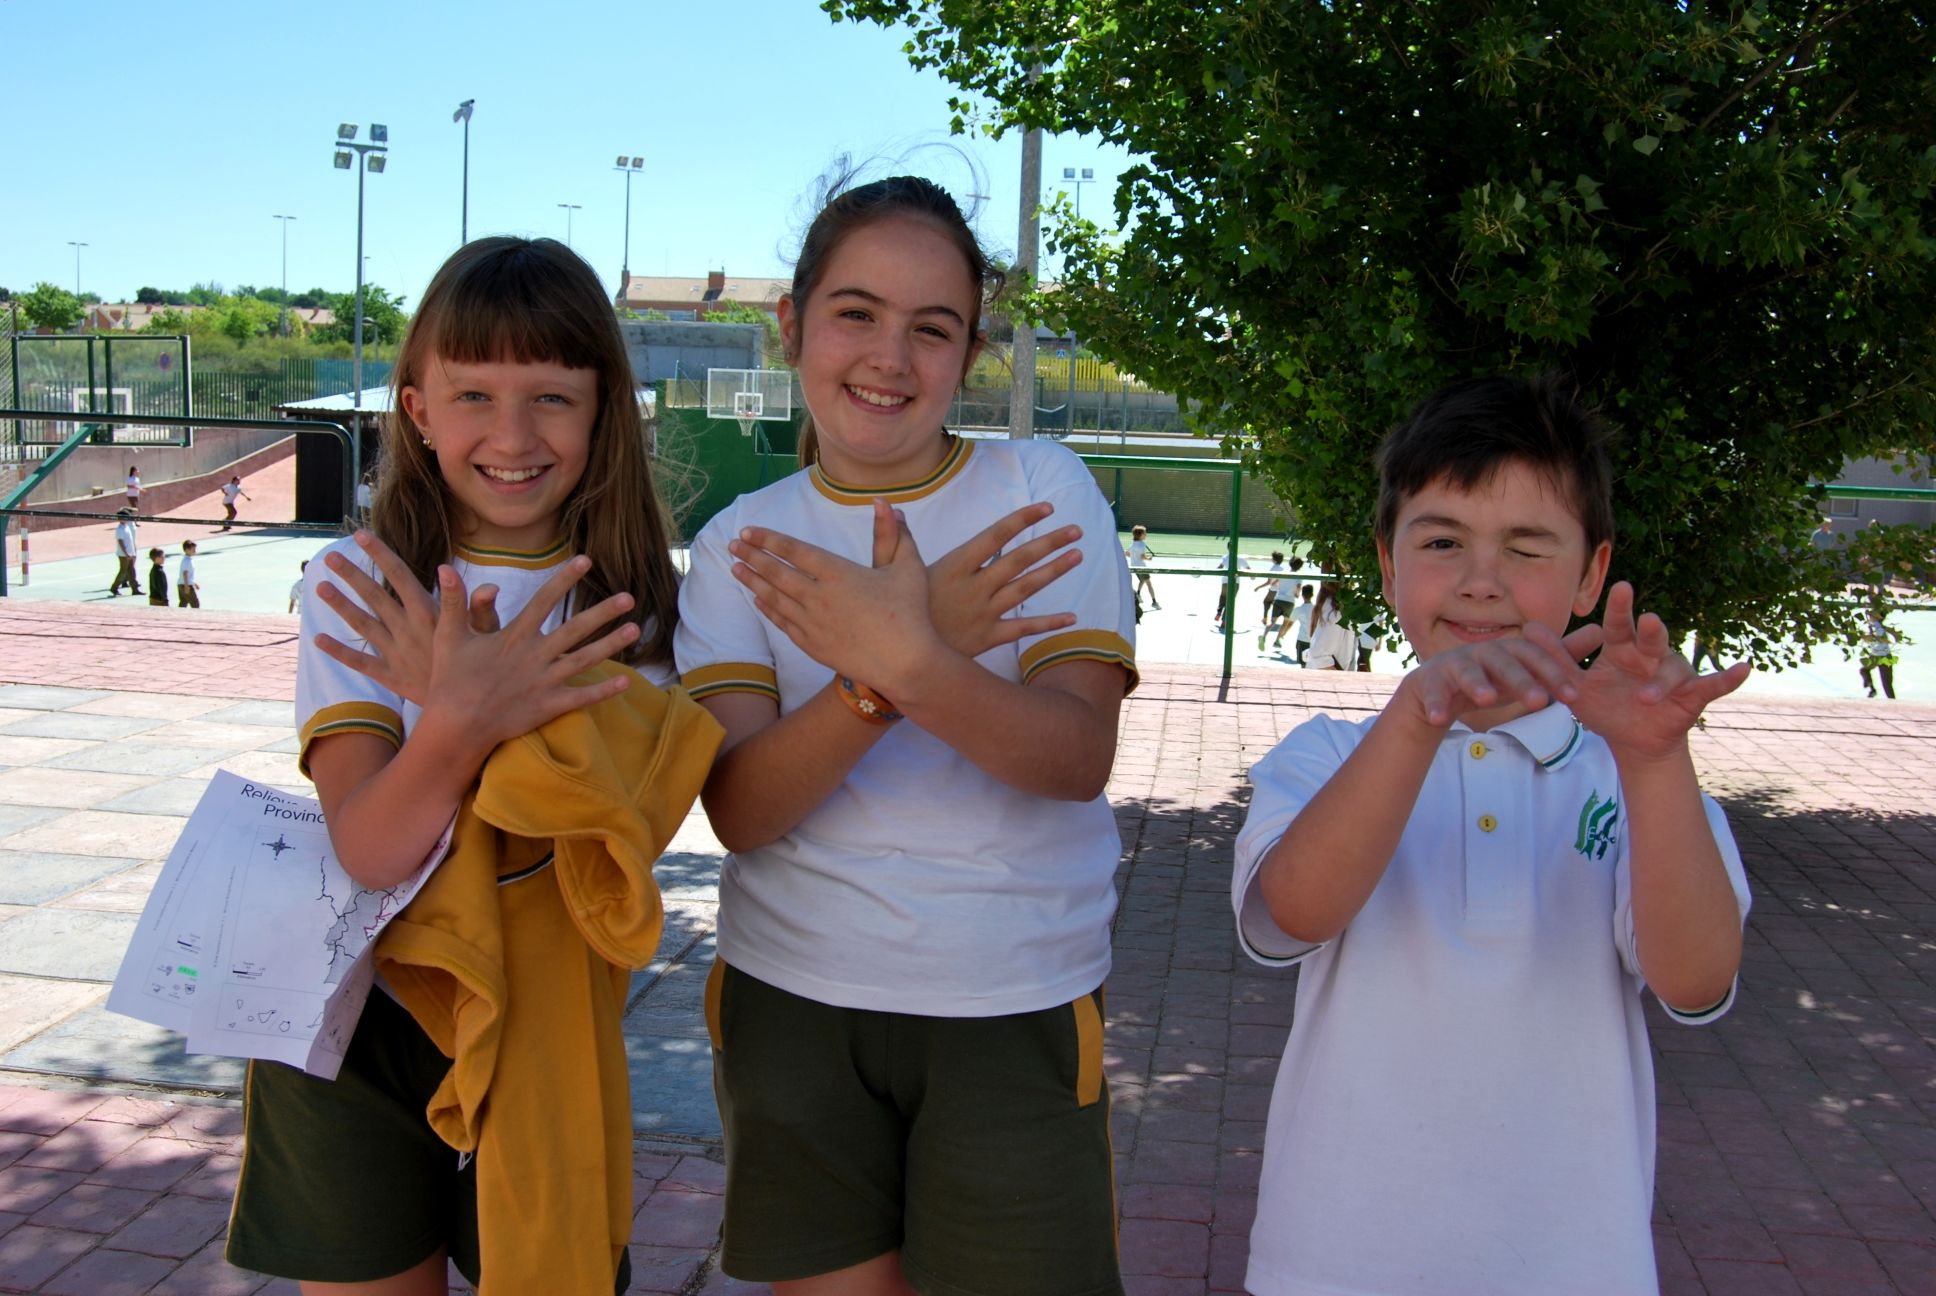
[950, 466]
[528, 560]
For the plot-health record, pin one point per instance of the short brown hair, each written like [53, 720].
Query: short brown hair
[1466, 431]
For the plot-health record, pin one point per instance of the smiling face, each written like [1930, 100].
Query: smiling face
[1465, 566]
[882, 342]
[511, 441]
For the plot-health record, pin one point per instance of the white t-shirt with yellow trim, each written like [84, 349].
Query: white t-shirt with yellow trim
[331, 698]
[921, 885]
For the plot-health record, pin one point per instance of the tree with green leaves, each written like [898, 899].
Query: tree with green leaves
[46, 306]
[384, 313]
[1720, 218]
[738, 312]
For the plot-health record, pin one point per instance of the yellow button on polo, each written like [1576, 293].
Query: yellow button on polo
[1487, 823]
[1478, 750]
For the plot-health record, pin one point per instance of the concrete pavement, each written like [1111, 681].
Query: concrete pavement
[1798, 1136]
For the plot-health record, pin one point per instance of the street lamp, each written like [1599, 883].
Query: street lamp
[463, 114]
[569, 209]
[1070, 176]
[285, 271]
[372, 155]
[77, 265]
[628, 165]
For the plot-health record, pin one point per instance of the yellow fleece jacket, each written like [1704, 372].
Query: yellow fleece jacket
[522, 982]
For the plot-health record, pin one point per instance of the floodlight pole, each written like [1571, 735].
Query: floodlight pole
[1021, 383]
[379, 146]
[463, 114]
[285, 271]
[1077, 178]
[569, 209]
[356, 365]
[77, 267]
[625, 265]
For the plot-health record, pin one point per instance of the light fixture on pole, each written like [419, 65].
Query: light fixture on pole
[569, 209]
[77, 265]
[463, 114]
[628, 165]
[1021, 372]
[285, 271]
[348, 153]
[1087, 176]
[1070, 176]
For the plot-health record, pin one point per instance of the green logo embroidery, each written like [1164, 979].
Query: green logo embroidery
[1598, 820]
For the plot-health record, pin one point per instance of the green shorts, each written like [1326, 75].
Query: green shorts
[343, 1180]
[976, 1146]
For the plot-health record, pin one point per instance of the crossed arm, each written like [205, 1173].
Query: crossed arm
[911, 632]
[1638, 695]
[477, 685]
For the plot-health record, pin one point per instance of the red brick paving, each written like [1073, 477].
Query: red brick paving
[217, 654]
[1797, 1136]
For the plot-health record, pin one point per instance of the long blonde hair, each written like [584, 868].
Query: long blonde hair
[531, 301]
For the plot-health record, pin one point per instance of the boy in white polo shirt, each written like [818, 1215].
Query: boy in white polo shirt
[1466, 1101]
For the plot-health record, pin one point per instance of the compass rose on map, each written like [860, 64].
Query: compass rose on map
[279, 846]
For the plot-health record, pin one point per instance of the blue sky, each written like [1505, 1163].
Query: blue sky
[167, 136]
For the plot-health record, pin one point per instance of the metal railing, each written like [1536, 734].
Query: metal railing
[1919, 494]
[10, 506]
[1235, 469]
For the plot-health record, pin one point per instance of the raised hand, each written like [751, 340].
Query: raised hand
[1533, 672]
[973, 588]
[417, 641]
[871, 623]
[1639, 694]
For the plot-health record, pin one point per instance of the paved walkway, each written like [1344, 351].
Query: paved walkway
[1798, 1137]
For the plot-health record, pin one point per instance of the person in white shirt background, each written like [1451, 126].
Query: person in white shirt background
[188, 590]
[124, 554]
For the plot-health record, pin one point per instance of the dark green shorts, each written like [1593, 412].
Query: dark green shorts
[343, 1180]
[976, 1146]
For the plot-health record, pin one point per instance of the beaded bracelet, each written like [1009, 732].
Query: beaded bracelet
[866, 703]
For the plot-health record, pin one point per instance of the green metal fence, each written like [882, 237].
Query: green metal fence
[150, 375]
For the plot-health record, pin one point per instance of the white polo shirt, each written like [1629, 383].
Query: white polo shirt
[1466, 1101]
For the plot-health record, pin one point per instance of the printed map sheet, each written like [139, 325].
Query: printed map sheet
[255, 942]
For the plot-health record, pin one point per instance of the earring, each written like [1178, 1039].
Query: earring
[426, 442]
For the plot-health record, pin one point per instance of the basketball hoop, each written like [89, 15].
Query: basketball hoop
[750, 397]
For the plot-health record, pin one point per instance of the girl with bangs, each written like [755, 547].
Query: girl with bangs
[518, 542]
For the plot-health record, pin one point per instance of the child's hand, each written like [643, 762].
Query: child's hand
[500, 684]
[1639, 694]
[401, 624]
[869, 623]
[973, 588]
[1532, 671]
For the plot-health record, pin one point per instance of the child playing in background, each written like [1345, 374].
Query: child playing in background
[1139, 554]
[158, 579]
[188, 588]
